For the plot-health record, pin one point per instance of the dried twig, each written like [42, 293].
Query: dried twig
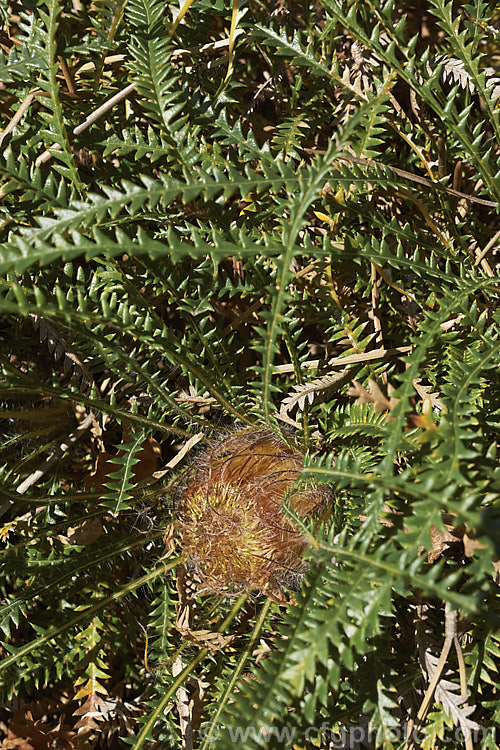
[377, 320]
[463, 685]
[442, 689]
[68, 77]
[100, 111]
[25, 105]
[408, 176]
[350, 360]
[185, 449]
[451, 631]
[46, 156]
[93, 117]
[481, 254]
[416, 178]
[56, 454]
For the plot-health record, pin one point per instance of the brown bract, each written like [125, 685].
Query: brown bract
[234, 532]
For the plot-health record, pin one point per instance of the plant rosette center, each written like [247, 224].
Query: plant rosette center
[234, 532]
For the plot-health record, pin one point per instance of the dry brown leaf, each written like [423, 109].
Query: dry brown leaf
[26, 734]
[214, 641]
[102, 718]
[373, 395]
[471, 544]
[424, 393]
[85, 534]
[441, 541]
[91, 712]
[261, 651]
[204, 638]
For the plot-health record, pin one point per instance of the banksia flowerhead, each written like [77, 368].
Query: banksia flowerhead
[234, 532]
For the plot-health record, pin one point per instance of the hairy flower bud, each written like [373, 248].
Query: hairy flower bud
[234, 532]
